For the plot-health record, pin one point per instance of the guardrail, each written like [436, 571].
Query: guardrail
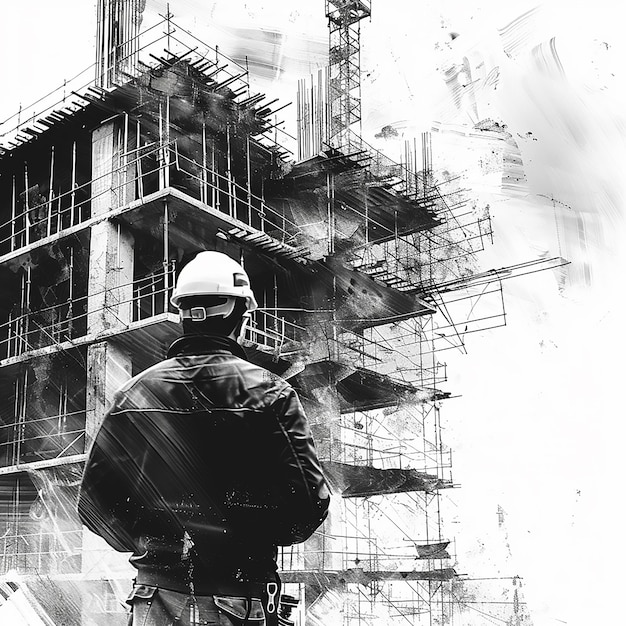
[41, 439]
[41, 553]
[272, 331]
[149, 169]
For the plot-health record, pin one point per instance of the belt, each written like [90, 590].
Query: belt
[260, 590]
[268, 593]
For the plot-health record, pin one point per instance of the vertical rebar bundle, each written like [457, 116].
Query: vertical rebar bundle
[117, 40]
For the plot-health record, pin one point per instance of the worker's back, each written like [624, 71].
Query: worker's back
[214, 466]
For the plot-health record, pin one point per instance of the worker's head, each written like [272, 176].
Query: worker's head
[213, 296]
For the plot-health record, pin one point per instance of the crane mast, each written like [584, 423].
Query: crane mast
[344, 77]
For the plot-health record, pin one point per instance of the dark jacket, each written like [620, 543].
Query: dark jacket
[202, 466]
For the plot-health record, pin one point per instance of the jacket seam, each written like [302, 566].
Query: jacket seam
[137, 409]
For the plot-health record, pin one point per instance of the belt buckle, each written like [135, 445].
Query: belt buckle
[272, 591]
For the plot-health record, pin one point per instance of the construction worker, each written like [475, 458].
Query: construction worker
[204, 465]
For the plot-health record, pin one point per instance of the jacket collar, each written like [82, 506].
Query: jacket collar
[205, 344]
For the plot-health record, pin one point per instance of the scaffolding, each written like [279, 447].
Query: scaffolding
[157, 46]
[365, 269]
[420, 237]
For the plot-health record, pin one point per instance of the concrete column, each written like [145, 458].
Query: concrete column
[110, 288]
[111, 256]
[108, 368]
[105, 168]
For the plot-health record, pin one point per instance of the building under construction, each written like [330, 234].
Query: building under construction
[364, 273]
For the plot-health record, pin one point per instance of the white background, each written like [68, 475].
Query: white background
[539, 427]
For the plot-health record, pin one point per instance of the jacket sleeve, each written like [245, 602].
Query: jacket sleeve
[306, 492]
[104, 496]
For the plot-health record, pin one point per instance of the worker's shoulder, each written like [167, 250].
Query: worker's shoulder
[258, 376]
[203, 367]
[146, 374]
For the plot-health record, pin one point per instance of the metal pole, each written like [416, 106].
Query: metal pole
[262, 205]
[51, 186]
[16, 415]
[249, 186]
[99, 8]
[415, 177]
[311, 133]
[137, 14]
[9, 339]
[395, 240]
[275, 304]
[204, 190]
[13, 215]
[169, 26]
[329, 207]
[166, 254]
[59, 211]
[138, 160]
[228, 172]
[125, 43]
[112, 49]
[117, 251]
[26, 308]
[299, 121]
[20, 434]
[167, 141]
[321, 117]
[70, 297]
[73, 195]
[161, 152]
[26, 206]
[214, 179]
[367, 218]
[125, 193]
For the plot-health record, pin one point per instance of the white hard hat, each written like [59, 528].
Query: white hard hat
[213, 273]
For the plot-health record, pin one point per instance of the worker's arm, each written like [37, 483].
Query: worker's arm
[304, 487]
[104, 498]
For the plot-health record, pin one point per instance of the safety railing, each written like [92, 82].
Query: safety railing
[306, 557]
[271, 331]
[59, 212]
[29, 330]
[40, 439]
[140, 172]
[152, 293]
[409, 360]
[333, 551]
[145, 298]
[40, 553]
[381, 167]
[224, 193]
[388, 454]
[48, 217]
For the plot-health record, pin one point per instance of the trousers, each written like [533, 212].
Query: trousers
[153, 606]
